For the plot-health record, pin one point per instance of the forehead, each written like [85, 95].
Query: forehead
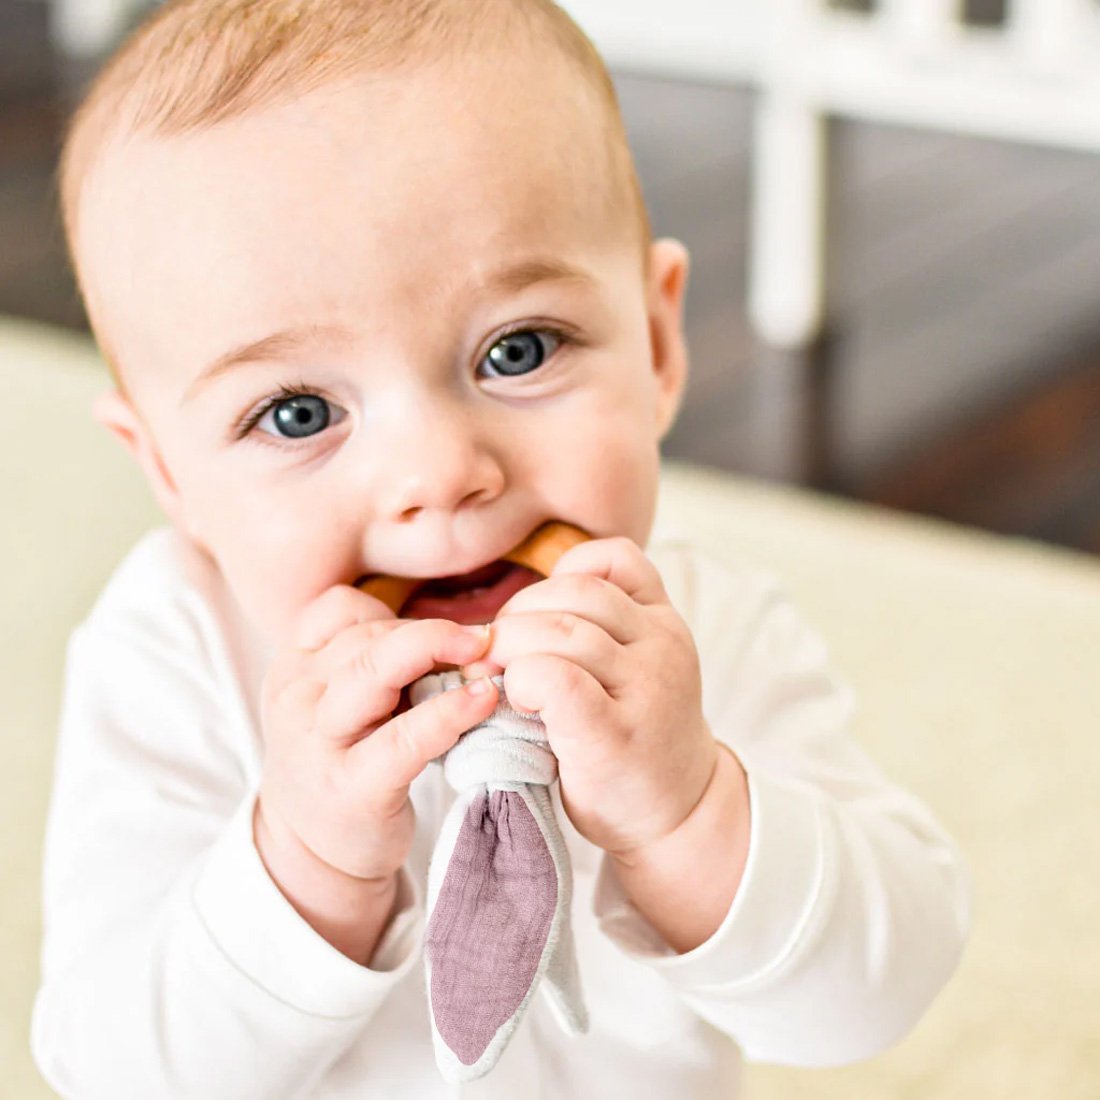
[371, 197]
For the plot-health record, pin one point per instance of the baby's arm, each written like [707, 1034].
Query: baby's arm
[173, 966]
[852, 908]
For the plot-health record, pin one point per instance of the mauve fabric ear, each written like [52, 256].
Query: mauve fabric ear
[492, 917]
[500, 889]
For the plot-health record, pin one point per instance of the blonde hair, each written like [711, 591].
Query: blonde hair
[195, 63]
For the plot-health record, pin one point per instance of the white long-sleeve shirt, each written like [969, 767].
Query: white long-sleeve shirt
[173, 967]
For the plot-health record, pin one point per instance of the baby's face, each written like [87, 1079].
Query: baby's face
[388, 328]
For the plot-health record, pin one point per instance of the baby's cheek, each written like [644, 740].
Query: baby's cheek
[269, 608]
[274, 589]
[609, 484]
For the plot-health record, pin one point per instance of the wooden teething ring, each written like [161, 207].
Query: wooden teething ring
[539, 552]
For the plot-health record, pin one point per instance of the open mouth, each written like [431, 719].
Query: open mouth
[468, 598]
[467, 583]
[476, 596]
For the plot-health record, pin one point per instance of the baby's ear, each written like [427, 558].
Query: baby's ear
[669, 263]
[117, 414]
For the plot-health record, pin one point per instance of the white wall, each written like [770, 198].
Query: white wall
[697, 39]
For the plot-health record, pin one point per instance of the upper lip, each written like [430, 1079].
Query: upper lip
[481, 563]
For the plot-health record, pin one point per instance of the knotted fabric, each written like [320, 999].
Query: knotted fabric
[500, 887]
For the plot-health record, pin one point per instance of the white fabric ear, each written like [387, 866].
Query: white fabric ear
[500, 888]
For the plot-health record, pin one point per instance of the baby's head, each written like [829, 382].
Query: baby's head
[376, 284]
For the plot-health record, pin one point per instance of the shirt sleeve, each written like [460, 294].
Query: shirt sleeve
[171, 963]
[854, 904]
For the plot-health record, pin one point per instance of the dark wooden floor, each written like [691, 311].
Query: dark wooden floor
[961, 376]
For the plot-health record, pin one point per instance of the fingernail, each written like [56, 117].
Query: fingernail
[480, 687]
[481, 630]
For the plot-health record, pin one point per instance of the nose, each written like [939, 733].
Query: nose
[438, 459]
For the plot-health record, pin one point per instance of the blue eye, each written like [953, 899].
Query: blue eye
[296, 417]
[520, 353]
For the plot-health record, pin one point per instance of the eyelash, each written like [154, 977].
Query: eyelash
[564, 337]
[246, 424]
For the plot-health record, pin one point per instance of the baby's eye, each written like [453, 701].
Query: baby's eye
[296, 417]
[519, 353]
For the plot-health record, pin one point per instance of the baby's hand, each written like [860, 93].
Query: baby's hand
[337, 762]
[612, 669]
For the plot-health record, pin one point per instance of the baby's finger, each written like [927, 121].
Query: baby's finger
[292, 695]
[399, 750]
[569, 699]
[593, 598]
[417, 646]
[367, 688]
[347, 645]
[560, 634]
[333, 611]
[620, 561]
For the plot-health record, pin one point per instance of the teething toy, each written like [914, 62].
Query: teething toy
[539, 552]
[500, 882]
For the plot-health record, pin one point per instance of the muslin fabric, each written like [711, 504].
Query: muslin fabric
[499, 891]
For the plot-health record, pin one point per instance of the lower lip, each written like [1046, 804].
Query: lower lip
[478, 605]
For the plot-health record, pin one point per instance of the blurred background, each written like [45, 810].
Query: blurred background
[919, 178]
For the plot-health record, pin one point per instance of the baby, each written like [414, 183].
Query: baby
[377, 287]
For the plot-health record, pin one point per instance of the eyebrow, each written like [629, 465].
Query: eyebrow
[517, 277]
[279, 345]
[284, 343]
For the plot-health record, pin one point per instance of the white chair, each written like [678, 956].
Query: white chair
[910, 62]
[83, 29]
